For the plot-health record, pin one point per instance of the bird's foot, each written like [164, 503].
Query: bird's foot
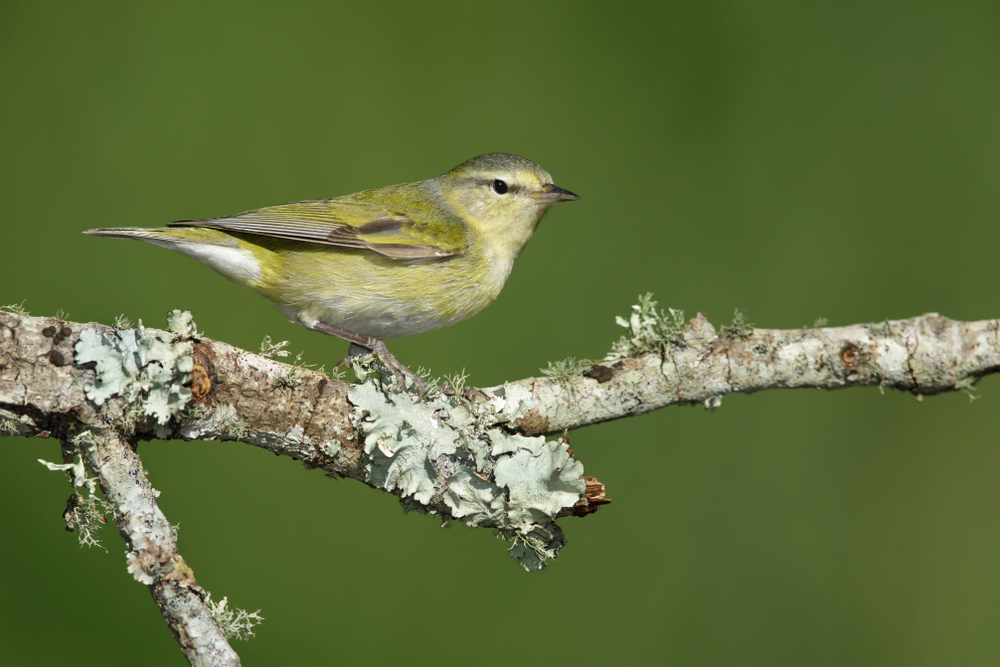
[398, 370]
[362, 345]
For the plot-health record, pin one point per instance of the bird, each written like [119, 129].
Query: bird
[379, 264]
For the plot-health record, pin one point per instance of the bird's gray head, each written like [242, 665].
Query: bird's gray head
[502, 195]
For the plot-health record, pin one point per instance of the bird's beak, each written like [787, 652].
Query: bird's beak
[552, 193]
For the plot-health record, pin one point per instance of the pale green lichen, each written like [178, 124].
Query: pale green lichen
[290, 378]
[293, 373]
[8, 426]
[530, 549]
[16, 308]
[966, 379]
[440, 449]
[84, 438]
[87, 516]
[85, 512]
[648, 329]
[270, 350]
[368, 368]
[541, 477]
[122, 322]
[61, 315]
[532, 481]
[131, 414]
[329, 447]
[238, 431]
[739, 328]
[77, 472]
[147, 369]
[965, 385]
[223, 419]
[454, 381]
[567, 373]
[235, 622]
[181, 323]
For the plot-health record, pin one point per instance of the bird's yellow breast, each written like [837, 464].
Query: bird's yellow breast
[372, 295]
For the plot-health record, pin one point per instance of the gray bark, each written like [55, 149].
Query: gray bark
[238, 395]
[923, 355]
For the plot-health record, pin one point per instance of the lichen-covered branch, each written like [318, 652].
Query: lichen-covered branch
[152, 554]
[470, 456]
[923, 355]
[447, 455]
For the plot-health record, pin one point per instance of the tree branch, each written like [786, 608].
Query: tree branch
[152, 555]
[38, 383]
[102, 390]
[924, 355]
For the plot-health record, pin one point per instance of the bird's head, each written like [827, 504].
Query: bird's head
[502, 195]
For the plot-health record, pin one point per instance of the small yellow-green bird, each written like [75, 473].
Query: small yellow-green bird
[378, 264]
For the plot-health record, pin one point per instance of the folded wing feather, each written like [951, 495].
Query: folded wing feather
[346, 224]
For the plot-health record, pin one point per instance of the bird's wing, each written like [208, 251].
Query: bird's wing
[349, 224]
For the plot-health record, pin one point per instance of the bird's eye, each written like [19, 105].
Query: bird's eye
[499, 187]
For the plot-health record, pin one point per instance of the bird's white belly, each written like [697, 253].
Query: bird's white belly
[379, 316]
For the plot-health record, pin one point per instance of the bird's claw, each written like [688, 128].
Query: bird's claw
[398, 370]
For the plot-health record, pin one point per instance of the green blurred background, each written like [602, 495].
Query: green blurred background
[794, 160]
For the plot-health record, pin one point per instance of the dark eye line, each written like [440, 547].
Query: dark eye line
[505, 187]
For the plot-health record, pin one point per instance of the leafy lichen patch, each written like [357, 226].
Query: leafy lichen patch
[541, 477]
[437, 453]
[513, 403]
[181, 323]
[146, 368]
[402, 439]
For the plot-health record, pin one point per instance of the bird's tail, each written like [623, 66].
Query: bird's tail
[158, 235]
[216, 249]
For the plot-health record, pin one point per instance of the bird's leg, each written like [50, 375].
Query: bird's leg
[378, 348]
